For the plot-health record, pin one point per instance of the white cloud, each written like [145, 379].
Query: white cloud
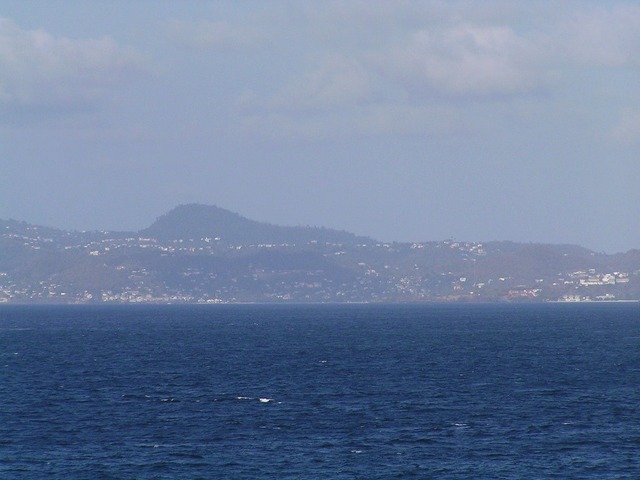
[465, 60]
[386, 67]
[39, 69]
[371, 92]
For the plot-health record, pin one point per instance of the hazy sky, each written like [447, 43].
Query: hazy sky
[410, 121]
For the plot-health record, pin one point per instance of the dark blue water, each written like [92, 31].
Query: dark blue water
[341, 392]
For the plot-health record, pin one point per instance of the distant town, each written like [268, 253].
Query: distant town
[205, 255]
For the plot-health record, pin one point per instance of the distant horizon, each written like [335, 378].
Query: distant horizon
[467, 240]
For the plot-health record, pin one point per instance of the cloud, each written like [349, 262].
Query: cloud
[373, 91]
[387, 67]
[38, 69]
[338, 82]
[209, 35]
[465, 60]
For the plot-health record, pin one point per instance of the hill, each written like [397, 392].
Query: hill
[204, 254]
[195, 221]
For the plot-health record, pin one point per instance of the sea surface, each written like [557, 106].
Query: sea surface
[320, 392]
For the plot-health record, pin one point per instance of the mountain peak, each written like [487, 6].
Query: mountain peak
[201, 221]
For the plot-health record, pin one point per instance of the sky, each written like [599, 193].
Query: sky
[404, 120]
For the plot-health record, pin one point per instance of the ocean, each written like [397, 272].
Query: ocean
[320, 392]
